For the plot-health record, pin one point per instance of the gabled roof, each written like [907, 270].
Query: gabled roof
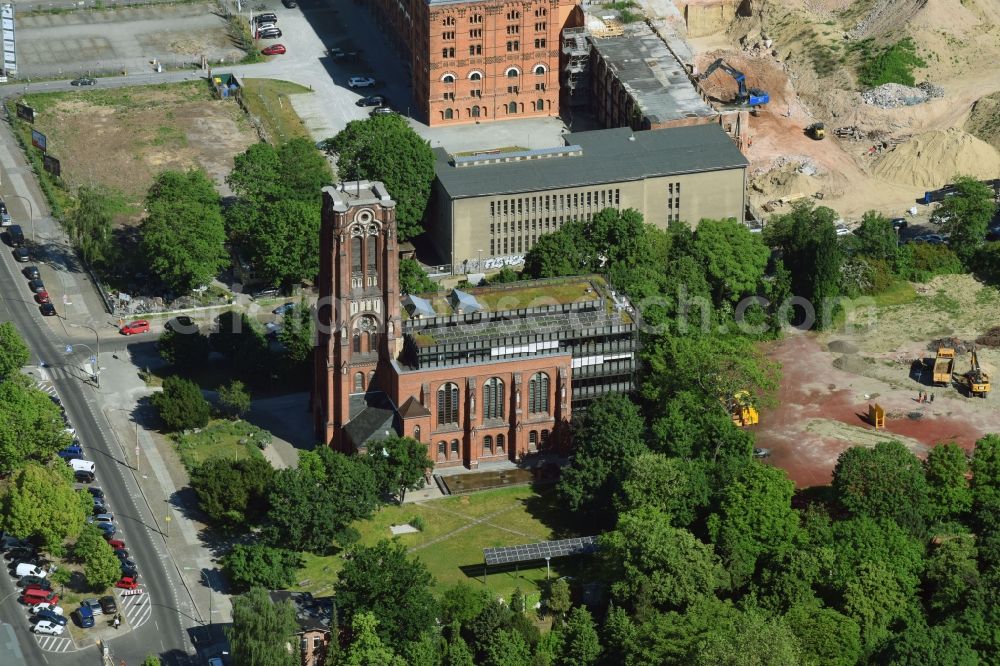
[465, 302]
[373, 419]
[413, 409]
[419, 307]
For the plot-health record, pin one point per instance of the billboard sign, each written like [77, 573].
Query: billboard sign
[51, 165]
[9, 52]
[38, 140]
[25, 112]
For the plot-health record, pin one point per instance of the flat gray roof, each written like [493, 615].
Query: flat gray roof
[652, 76]
[609, 156]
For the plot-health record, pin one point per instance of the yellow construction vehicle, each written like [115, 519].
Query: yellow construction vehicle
[816, 131]
[742, 410]
[976, 379]
[943, 364]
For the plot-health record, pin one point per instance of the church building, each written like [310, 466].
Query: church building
[478, 375]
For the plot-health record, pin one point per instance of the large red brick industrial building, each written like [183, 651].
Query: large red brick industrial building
[481, 375]
[480, 60]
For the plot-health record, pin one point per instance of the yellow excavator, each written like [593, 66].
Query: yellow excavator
[742, 410]
[976, 378]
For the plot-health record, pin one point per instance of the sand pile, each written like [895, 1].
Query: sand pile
[932, 159]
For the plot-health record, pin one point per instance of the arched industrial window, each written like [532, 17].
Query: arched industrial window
[512, 107]
[372, 260]
[540, 105]
[539, 69]
[416, 433]
[500, 443]
[488, 445]
[512, 72]
[493, 399]
[475, 112]
[359, 382]
[448, 114]
[448, 404]
[533, 439]
[454, 449]
[538, 394]
[448, 78]
[475, 75]
[442, 450]
[357, 342]
[356, 254]
[372, 342]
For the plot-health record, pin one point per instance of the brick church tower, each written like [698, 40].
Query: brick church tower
[358, 311]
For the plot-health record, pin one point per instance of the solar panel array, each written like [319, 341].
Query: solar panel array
[540, 551]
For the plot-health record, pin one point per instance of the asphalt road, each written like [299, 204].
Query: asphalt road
[165, 632]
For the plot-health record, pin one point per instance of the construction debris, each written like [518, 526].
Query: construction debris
[960, 346]
[990, 338]
[893, 95]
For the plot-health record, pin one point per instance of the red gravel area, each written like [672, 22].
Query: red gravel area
[822, 411]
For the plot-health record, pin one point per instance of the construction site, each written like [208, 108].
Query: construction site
[783, 78]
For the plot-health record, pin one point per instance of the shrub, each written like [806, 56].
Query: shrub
[894, 64]
[260, 566]
[418, 523]
[922, 261]
[181, 405]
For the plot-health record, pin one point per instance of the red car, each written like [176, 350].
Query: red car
[127, 583]
[274, 49]
[42, 297]
[116, 544]
[137, 326]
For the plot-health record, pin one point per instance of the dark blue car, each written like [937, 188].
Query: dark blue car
[72, 451]
[84, 616]
[51, 617]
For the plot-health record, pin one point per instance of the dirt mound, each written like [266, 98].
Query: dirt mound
[933, 158]
[984, 120]
[990, 338]
[842, 347]
[761, 72]
[960, 346]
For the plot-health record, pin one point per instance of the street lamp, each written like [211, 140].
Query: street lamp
[31, 213]
[97, 354]
[94, 374]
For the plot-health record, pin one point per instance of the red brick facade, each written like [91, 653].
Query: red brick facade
[480, 61]
[464, 413]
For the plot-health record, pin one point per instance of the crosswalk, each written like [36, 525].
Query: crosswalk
[45, 387]
[55, 643]
[136, 609]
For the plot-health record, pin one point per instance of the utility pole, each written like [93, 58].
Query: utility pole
[136, 447]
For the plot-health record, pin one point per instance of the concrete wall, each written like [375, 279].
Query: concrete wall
[706, 17]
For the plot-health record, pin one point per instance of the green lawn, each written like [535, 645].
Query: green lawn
[508, 517]
[268, 100]
[900, 293]
[222, 438]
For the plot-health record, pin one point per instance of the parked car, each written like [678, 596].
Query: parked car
[42, 297]
[47, 627]
[84, 616]
[19, 553]
[108, 529]
[15, 235]
[100, 506]
[34, 582]
[274, 49]
[30, 272]
[899, 223]
[270, 33]
[284, 308]
[85, 81]
[78, 464]
[129, 569]
[381, 111]
[117, 544]
[34, 597]
[46, 606]
[266, 293]
[181, 324]
[82, 475]
[360, 82]
[101, 518]
[36, 286]
[22, 254]
[28, 569]
[127, 583]
[134, 327]
[10, 542]
[291, 4]
[341, 54]
[94, 605]
[761, 453]
[50, 616]
[121, 554]
[373, 100]
[266, 17]
[108, 605]
[71, 451]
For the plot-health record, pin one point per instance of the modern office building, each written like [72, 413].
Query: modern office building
[493, 207]
[487, 374]
[477, 61]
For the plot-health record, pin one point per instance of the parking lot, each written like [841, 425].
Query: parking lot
[126, 39]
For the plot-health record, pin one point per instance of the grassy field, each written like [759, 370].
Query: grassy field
[222, 438]
[268, 100]
[457, 529]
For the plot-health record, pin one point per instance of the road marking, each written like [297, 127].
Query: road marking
[55, 644]
[137, 610]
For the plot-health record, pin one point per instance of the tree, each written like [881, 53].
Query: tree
[257, 565]
[304, 514]
[675, 637]
[181, 405]
[609, 437]
[263, 632]
[366, 648]
[283, 241]
[810, 251]
[877, 238]
[941, 645]
[967, 214]
[951, 573]
[948, 488]
[677, 487]
[233, 493]
[826, 637]
[755, 517]
[183, 235]
[186, 351]
[101, 567]
[691, 424]
[657, 563]
[876, 600]
[734, 258]
[91, 224]
[234, 398]
[581, 644]
[385, 148]
[507, 648]
[399, 464]
[41, 501]
[14, 353]
[860, 540]
[751, 639]
[461, 603]
[303, 170]
[298, 333]
[886, 481]
[413, 279]
[31, 427]
[560, 599]
[237, 336]
[256, 175]
[458, 653]
[394, 588]
[355, 483]
[152, 660]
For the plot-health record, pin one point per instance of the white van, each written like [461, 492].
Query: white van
[25, 569]
[81, 465]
